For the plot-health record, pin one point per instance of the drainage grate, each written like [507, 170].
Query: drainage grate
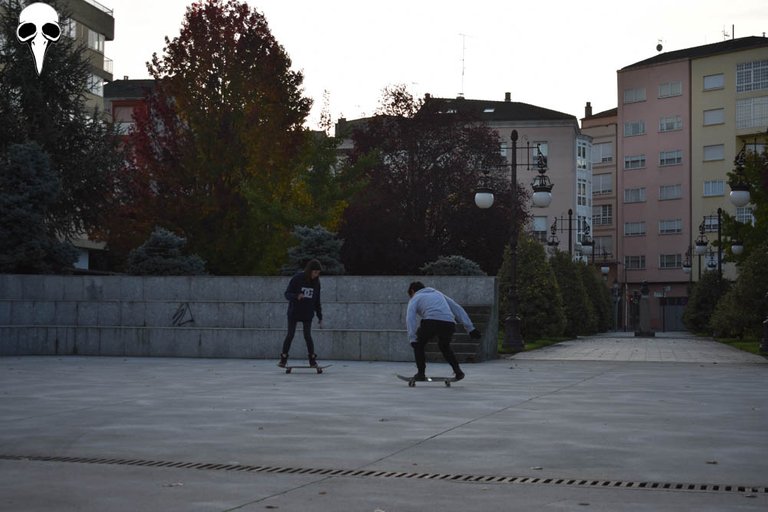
[486, 479]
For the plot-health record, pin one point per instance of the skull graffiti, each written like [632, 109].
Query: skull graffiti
[38, 27]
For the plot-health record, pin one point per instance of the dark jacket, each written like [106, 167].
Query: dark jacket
[303, 310]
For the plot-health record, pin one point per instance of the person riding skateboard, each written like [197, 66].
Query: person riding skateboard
[439, 315]
[303, 295]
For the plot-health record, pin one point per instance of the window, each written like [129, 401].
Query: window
[714, 82]
[634, 128]
[634, 228]
[634, 195]
[634, 262]
[752, 112]
[745, 215]
[634, 162]
[710, 223]
[95, 85]
[670, 226]
[602, 215]
[581, 192]
[716, 152]
[581, 155]
[542, 146]
[540, 228]
[603, 246]
[670, 89]
[714, 188]
[670, 261]
[714, 116]
[671, 157]
[667, 192]
[752, 76]
[602, 153]
[69, 28]
[670, 124]
[95, 40]
[602, 184]
[634, 95]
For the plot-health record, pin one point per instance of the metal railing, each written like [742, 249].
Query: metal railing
[100, 6]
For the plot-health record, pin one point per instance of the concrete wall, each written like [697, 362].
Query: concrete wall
[364, 317]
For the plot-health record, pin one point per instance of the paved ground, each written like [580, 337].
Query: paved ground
[612, 423]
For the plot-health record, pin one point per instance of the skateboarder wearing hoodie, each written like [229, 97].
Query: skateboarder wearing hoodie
[303, 295]
[439, 315]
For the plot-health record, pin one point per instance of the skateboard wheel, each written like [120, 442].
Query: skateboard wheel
[288, 370]
[411, 384]
[319, 370]
[447, 384]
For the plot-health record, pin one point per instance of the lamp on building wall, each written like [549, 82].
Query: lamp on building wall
[542, 196]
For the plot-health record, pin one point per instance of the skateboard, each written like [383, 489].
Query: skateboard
[412, 383]
[319, 369]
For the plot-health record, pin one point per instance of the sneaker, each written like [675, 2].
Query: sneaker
[459, 375]
[283, 360]
[313, 360]
[420, 377]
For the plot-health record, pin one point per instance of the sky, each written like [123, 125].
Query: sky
[556, 54]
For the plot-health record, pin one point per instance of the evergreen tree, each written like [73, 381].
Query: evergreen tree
[702, 301]
[315, 243]
[28, 191]
[540, 302]
[599, 295]
[50, 110]
[579, 312]
[743, 308]
[161, 255]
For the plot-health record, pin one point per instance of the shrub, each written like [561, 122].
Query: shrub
[452, 266]
[161, 255]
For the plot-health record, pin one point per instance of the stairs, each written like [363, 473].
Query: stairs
[466, 349]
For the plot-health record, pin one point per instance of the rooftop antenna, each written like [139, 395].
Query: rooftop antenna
[659, 46]
[726, 35]
[463, 67]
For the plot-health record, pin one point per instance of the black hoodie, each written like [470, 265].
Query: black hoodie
[303, 310]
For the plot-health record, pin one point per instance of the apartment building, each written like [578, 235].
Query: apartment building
[123, 98]
[682, 117]
[92, 24]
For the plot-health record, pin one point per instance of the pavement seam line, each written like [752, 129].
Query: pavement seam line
[327, 474]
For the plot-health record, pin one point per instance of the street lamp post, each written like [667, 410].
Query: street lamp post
[542, 196]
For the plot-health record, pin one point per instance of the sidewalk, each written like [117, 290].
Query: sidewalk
[586, 430]
[625, 346]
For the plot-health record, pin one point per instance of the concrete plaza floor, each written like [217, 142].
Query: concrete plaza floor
[609, 423]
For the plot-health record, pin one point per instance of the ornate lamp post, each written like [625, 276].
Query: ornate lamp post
[739, 195]
[542, 196]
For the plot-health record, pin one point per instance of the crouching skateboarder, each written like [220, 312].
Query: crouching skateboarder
[439, 315]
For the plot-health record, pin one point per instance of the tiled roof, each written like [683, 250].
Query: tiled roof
[707, 50]
[495, 110]
[605, 113]
[128, 88]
